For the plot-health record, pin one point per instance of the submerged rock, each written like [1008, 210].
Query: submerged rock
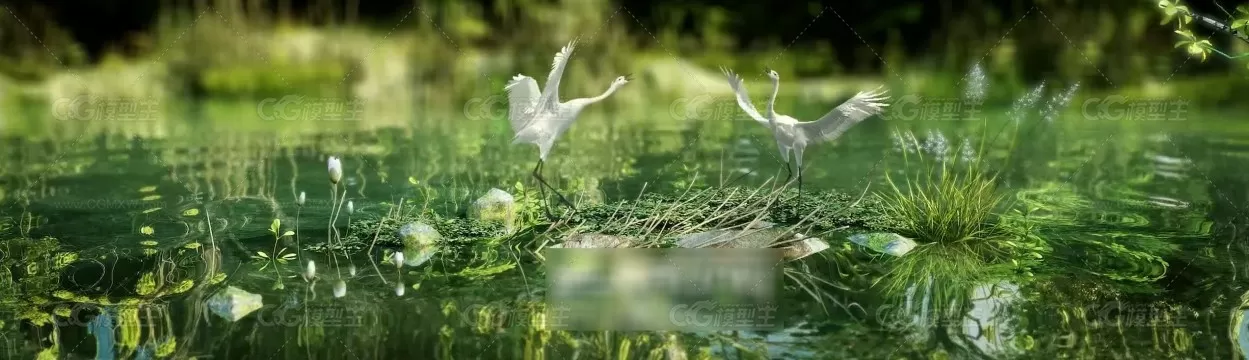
[760, 224]
[417, 235]
[990, 306]
[1241, 325]
[757, 235]
[745, 238]
[496, 206]
[888, 243]
[593, 241]
[415, 256]
[803, 248]
[234, 303]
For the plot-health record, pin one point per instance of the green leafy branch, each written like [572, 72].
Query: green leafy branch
[1235, 25]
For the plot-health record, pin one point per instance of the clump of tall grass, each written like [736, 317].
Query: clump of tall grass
[948, 204]
[951, 210]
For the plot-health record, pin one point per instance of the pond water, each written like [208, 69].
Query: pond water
[1143, 219]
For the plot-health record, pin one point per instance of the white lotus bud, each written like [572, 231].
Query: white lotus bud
[400, 289]
[336, 169]
[340, 288]
[310, 271]
[300, 200]
[397, 258]
[351, 270]
[351, 208]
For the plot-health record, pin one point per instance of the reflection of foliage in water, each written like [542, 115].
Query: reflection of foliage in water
[53, 286]
[953, 211]
[1088, 247]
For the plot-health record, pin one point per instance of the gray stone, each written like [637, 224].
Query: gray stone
[745, 238]
[760, 224]
[803, 248]
[888, 243]
[594, 241]
[758, 235]
[234, 303]
[417, 235]
[417, 255]
[496, 206]
[1243, 329]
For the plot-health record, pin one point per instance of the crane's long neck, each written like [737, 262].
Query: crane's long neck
[582, 102]
[610, 90]
[776, 88]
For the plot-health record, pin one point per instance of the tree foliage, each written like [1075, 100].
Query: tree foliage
[1234, 25]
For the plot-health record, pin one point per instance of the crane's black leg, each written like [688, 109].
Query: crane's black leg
[789, 173]
[537, 173]
[546, 205]
[563, 199]
[800, 185]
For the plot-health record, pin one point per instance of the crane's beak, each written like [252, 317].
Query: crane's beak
[629, 76]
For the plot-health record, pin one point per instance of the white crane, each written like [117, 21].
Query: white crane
[793, 135]
[539, 118]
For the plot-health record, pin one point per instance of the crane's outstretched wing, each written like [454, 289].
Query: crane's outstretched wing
[522, 100]
[743, 99]
[550, 95]
[862, 106]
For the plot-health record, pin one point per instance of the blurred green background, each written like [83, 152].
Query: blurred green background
[232, 48]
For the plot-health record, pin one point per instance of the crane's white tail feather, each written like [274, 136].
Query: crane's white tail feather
[522, 100]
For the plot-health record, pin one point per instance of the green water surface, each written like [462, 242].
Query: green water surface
[1145, 220]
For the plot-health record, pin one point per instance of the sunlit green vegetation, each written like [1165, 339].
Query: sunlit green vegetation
[1085, 238]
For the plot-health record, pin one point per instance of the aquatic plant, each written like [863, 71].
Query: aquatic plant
[277, 256]
[351, 268]
[310, 270]
[310, 273]
[952, 211]
[954, 207]
[335, 169]
[397, 258]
